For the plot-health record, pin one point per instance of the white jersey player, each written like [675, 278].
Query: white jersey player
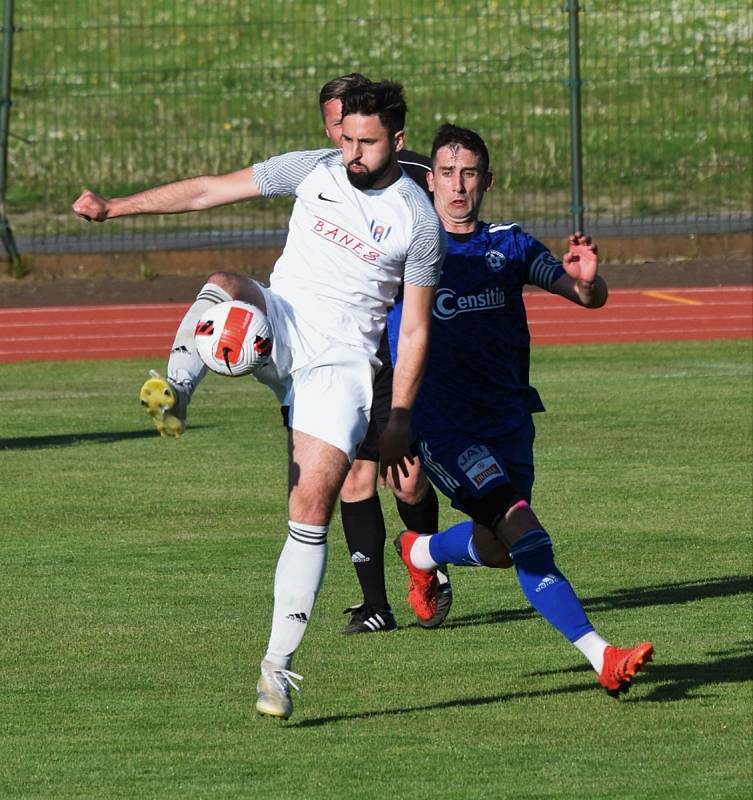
[347, 253]
[359, 228]
[348, 250]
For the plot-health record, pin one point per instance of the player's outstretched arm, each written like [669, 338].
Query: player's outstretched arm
[192, 194]
[412, 349]
[582, 284]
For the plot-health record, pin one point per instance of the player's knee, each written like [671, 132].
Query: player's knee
[360, 482]
[518, 520]
[494, 508]
[413, 486]
[227, 281]
[506, 515]
[490, 549]
[311, 507]
[239, 287]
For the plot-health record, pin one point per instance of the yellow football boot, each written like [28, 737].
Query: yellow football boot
[166, 404]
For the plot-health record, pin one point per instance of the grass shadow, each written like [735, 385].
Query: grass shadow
[682, 681]
[668, 682]
[637, 597]
[466, 702]
[72, 439]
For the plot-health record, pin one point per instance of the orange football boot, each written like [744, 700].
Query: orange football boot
[621, 665]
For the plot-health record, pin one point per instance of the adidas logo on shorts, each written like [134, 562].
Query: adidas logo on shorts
[359, 558]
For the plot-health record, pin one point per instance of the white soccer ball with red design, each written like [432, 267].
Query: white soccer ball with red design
[234, 338]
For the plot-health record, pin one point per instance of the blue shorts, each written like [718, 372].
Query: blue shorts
[467, 469]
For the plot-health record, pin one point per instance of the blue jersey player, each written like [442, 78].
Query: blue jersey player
[473, 416]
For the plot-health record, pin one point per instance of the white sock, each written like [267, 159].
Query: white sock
[419, 554]
[300, 571]
[593, 646]
[184, 365]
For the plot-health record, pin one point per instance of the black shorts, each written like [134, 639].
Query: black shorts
[381, 404]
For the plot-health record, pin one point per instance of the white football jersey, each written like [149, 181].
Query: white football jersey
[348, 251]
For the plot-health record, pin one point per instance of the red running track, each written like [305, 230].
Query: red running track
[631, 315]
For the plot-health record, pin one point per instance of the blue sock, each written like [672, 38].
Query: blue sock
[455, 546]
[545, 587]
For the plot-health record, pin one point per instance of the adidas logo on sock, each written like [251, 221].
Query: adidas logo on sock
[298, 617]
[546, 582]
[359, 558]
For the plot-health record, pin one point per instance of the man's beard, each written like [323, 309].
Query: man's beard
[366, 180]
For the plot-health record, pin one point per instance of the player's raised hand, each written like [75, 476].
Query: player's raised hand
[91, 206]
[582, 259]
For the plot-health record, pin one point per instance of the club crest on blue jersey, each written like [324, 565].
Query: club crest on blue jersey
[495, 260]
[379, 232]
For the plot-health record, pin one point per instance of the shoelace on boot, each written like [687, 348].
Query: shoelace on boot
[284, 678]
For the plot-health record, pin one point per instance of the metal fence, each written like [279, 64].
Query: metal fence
[118, 96]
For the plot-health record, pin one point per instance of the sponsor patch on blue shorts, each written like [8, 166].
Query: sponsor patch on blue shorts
[464, 468]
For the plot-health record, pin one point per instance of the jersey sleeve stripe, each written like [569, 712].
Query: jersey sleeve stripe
[281, 175]
[545, 270]
[428, 245]
[503, 226]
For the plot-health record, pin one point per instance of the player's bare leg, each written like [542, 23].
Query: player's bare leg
[316, 473]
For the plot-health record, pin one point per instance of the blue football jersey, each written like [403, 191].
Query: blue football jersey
[477, 376]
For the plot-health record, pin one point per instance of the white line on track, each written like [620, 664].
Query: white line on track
[95, 323]
[152, 336]
[703, 333]
[638, 320]
[107, 308]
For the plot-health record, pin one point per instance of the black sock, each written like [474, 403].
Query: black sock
[365, 536]
[424, 516]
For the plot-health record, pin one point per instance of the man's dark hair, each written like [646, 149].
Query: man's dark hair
[384, 99]
[337, 87]
[466, 138]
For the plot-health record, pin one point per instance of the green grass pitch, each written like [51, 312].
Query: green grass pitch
[136, 601]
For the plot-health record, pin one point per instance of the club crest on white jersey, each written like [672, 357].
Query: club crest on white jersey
[379, 232]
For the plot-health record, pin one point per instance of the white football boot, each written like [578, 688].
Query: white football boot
[273, 691]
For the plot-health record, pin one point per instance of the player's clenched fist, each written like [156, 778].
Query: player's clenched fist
[91, 206]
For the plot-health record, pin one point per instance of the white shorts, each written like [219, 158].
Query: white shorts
[327, 386]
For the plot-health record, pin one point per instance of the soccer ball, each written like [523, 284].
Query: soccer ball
[234, 338]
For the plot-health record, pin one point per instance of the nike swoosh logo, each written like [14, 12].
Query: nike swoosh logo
[328, 199]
